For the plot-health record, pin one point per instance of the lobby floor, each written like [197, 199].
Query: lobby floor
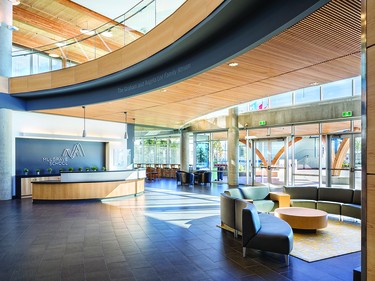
[169, 233]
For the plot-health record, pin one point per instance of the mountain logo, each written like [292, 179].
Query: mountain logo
[77, 151]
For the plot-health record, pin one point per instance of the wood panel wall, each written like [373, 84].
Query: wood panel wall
[26, 184]
[167, 32]
[369, 198]
[85, 190]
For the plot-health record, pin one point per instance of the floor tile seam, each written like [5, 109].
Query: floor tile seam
[188, 194]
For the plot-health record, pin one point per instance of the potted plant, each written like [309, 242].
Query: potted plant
[94, 168]
[80, 169]
[70, 169]
[87, 169]
[61, 170]
[37, 171]
[104, 168]
[49, 170]
[25, 171]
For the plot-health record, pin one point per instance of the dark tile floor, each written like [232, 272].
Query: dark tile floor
[169, 233]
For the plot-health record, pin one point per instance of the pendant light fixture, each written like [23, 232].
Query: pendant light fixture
[126, 127]
[84, 122]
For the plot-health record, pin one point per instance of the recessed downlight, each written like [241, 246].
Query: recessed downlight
[87, 31]
[233, 64]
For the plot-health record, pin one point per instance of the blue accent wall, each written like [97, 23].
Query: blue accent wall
[42, 154]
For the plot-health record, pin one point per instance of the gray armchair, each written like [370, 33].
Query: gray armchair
[265, 232]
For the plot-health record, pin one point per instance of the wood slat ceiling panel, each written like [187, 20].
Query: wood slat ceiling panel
[323, 47]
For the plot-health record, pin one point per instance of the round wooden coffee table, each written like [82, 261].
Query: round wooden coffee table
[303, 218]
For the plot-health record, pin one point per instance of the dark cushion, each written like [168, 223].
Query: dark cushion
[335, 194]
[302, 192]
[351, 210]
[227, 209]
[250, 222]
[239, 205]
[234, 192]
[357, 197]
[303, 203]
[274, 235]
[255, 193]
[329, 207]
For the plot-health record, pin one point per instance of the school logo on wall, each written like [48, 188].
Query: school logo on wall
[67, 153]
[77, 151]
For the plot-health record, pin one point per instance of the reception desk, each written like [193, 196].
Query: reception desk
[90, 185]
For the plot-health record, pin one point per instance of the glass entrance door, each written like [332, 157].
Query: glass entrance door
[269, 161]
[345, 167]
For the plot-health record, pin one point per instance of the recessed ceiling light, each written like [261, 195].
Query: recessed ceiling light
[60, 44]
[314, 83]
[233, 64]
[87, 31]
[54, 55]
[107, 33]
[15, 2]
[163, 90]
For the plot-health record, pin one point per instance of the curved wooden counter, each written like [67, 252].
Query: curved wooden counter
[57, 190]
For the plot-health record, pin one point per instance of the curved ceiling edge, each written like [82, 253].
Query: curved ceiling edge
[118, 63]
[231, 30]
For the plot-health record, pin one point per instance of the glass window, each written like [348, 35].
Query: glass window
[56, 64]
[138, 151]
[311, 94]
[338, 89]
[21, 65]
[336, 127]
[259, 104]
[142, 21]
[243, 108]
[303, 130]
[357, 86]
[161, 148]
[174, 151]
[281, 100]
[44, 64]
[149, 151]
[165, 8]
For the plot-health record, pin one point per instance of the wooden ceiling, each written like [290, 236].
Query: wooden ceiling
[46, 22]
[324, 47]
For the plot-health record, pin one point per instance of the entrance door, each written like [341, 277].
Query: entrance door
[345, 166]
[269, 161]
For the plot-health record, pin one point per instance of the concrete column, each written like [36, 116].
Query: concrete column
[184, 151]
[233, 144]
[6, 21]
[5, 154]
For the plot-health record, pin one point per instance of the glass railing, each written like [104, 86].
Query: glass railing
[94, 43]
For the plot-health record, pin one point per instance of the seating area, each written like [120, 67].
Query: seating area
[263, 232]
[158, 171]
[264, 200]
[338, 201]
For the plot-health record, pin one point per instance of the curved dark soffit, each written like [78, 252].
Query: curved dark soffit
[232, 29]
[9, 102]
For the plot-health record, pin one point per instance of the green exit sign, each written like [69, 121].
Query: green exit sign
[347, 114]
[262, 123]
